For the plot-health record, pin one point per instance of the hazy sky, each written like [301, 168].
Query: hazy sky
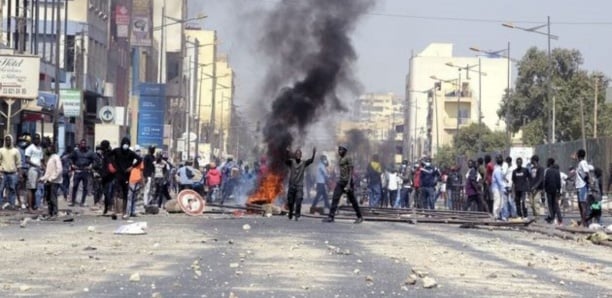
[386, 37]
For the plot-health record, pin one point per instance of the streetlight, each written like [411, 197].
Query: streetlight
[549, 70]
[499, 53]
[415, 105]
[162, 28]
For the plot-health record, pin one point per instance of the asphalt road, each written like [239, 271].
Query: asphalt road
[217, 256]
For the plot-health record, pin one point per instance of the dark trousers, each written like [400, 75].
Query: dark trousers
[51, 197]
[553, 206]
[350, 194]
[295, 195]
[79, 176]
[161, 191]
[321, 194]
[519, 199]
[109, 194]
[428, 198]
[98, 189]
[65, 186]
[473, 199]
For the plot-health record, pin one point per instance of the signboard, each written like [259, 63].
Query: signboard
[151, 110]
[72, 101]
[141, 23]
[19, 76]
[122, 20]
[191, 202]
[106, 113]
[46, 100]
[109, 132]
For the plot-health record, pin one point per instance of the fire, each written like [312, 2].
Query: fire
[270, 186]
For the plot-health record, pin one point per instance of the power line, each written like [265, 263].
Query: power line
[478, 20]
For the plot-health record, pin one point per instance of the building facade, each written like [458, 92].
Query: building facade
[444, 91]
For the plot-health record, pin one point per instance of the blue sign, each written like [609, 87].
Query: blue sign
[46, 100]
[151, 110]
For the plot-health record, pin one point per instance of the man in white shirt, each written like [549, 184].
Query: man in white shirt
[34, 156]
[582, 184]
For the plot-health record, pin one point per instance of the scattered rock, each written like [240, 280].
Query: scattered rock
[369, 278]
[356, 271]
[198, 273]
[135, 277]
[429, 283]
[492, 275]
[89, 248]
[230, 241]
[561, 282]
[530, 264]
[156, 295]
[86, 290]
[234, 265]
[359, 261]
[411, 280]
[419, 273]
[24, 222]
[246, 227]
[232, 295]
[91, 229]
[173, 206]
[598, 237]
[24, 288]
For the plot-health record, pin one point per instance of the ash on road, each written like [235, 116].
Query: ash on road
[252, 256]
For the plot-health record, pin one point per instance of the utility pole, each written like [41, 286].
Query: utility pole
[195, 88]
[58, 32]
[458, 104]
[211, 127]
[582, 122]
[595, 107]
[162, 45]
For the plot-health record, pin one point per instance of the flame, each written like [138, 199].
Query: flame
[270, 186]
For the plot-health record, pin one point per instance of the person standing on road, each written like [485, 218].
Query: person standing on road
[582, 185]
[498, 188]
[82, 162]
[148, 171]
[344, 185]
[521, 182]
[374, 176]
[552, 187]
[429, 178]
[52, 180]
[295, 193]
[123, 160]
[10, 161]
[321, 179]
[537, 185]
[473, 188]
[34, 156]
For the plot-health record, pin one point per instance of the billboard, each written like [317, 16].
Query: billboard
[141, 23]
[151, 110]
[19, 76]
[72, 102]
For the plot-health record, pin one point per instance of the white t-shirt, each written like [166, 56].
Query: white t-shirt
[393, 181]
[35, 154]
[581, 171]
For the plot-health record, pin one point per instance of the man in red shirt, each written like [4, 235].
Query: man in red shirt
[416, 182]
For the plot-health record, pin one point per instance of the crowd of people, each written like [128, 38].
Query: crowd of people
[500, 186]
[33, 175]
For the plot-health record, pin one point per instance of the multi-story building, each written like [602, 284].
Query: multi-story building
[379, 114]
[433, 114]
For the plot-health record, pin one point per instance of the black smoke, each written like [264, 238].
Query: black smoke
[310, 51]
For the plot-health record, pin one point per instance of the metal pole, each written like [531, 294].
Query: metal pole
[211, 127]
[595, 107]
[508, 99]
[458, 103]
[414, 138]
[161, 44]
[58, 31]
[551, 131]
[435, 98]
[195, 88]
[582, 122]
[479, 101]
[188, 116]
[554, 113]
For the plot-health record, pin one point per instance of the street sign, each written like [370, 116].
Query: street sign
[191, 202]
[106, 114]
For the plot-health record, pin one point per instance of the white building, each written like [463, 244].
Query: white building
[432, 117]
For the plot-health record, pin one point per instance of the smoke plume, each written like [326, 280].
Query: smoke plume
[310, 51]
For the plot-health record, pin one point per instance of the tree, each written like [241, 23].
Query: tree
[467, 143]
[529, 108]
